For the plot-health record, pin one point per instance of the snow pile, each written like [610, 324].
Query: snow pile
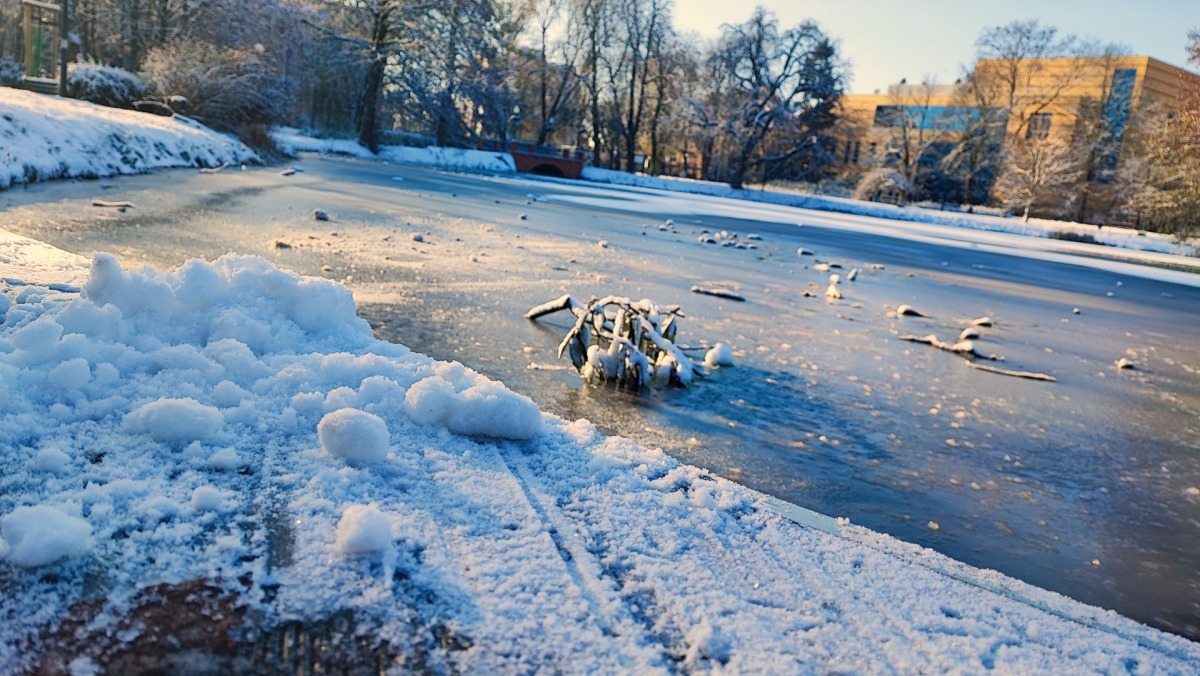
[36, 536]
[455, 159]
[45, 137]
[464, 159]
[1118, 237]
[292, 141]
[232, 426]
[363, 529]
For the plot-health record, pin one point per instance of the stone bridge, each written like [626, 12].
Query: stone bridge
[541, 160]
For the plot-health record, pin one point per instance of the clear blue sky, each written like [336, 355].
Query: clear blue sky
[886, 40]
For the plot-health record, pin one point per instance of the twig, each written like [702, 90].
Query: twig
[718, 293]
[214, 170]
[114, 205]
[1016, 374]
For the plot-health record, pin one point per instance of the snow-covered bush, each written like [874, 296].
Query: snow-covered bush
[103, 85]
[616, 340]
[882, 182]
[225, 88]
[10, 72]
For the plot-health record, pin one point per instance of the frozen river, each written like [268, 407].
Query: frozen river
[1089, 485]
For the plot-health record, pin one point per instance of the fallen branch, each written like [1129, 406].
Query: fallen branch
[112, 205]
[214, 170]
[963, 347]
[718, 292]
[1016, 374]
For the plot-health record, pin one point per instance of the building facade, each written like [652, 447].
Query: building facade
[946, 141]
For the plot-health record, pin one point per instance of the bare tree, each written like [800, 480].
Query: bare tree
[1166, 196]
[1016, 73]
[908, 129]
[789, 78]
[1037, 171]
[642, 26]
[973, 158]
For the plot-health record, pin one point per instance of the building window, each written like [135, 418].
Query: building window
[1039, 126]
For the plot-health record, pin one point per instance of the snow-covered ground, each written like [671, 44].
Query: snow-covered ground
[459, 159]
[45, 137]
[233, 427]
[238, 425]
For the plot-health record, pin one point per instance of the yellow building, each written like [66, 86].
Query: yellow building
[1088, 103]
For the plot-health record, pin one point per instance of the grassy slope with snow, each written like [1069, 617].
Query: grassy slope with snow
[45, 137]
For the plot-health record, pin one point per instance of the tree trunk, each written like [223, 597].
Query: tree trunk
[368, 114]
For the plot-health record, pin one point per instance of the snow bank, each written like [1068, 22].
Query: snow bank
[291, 141]
[186, 445]
[1118, 237]
[454, 159]
[451, 158]
[45, 137]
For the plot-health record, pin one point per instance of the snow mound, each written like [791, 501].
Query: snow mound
[175, 420]
[363, 529]
[719, 355]
[46, 137]
[36, 536]
[358, 437]
[464, 159]
[485, 408]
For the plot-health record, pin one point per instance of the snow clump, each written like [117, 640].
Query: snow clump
[358, 437]
[171, 420]
[484, 409]
[363, 529]
[719, 355]
[35, 536]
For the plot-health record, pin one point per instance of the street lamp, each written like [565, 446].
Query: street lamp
[512, 119]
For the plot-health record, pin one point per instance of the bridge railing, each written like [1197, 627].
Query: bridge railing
[532, 149]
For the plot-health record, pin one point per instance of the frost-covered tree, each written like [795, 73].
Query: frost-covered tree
[1165, 193]
[908, 129]
[225, 88]
[973, 159]
[1013, 70]
[779, 80]
[1037, 171]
